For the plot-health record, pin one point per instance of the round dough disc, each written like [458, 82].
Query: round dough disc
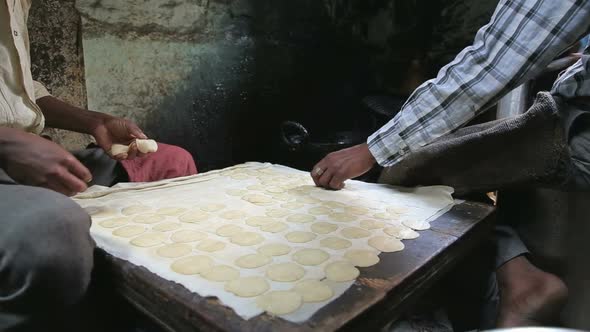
[313, 291]
[210, 245]
[307, 200]
[356, 210]
[258, 199]
[285, 272]
[194, 216]
[236, 192]
[192, 265]
[174, 250]
[279, 302]
[274, 249]
[171, 211]
[283, 197]
[255, 187]
[275, 227]
[292, 205]
[213, 207]
[166, 226]
[334, 204]
[397, 209]
[385, 216]
[259, 221]
[341, 271]
[362, 258]
[300, 218]
[277, 213]
[100, 211]
[148, 240]
[239, 176]
[187, 235]
[300, 237]
[253, 261]
[335, 243]
[114, 222]
[310, 256]
[246, 238]
[323, 227]
[275, 190]
[129, 231]
[416, 225]
[221, 273]
[228, 230]
[401, 232]
[134, 209]
[354, 233]
[386, 244]
[341, 217]
[233, 214]
[372, 224]
[319, 210]
[148, 218]
[247, 287]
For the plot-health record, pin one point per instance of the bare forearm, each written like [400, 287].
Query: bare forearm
[61, 115]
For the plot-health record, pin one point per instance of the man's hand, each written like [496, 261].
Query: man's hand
[112, 130]
[34, 161]
[339, 166]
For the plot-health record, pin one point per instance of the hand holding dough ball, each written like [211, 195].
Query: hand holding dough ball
[143, 145]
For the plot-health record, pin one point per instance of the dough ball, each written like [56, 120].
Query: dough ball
[213, 207]
[335, 243]
[194, 216]
[385, 244]
[285, 272]
[233, 214]
[334, 205]
[247, 287]
[114, 222]
[134, 209]
[300, 218]
[275, 227]
[166, 226]
[221, 273]
[210, 245]
[148, 240]
[228, 230]
[246, 238]
[146, 145]
[278, 213]
[372, 224]
[300, 237]
[401, 232]
[292, 205]
[341, 271]
[310, 256]
[187, 235]
[171, 211]
[148, 218]
[258, 199]
[253, 261]
[323, 227]
[174, 250]
[341, 217]
[279, 302]
[192, 265]
[129, 231]
[319, 210]
[313, 291]
[416, 224]
[274, 249]
[355, 233]
[257, 221]
[236, 192]
[362, 258]
[356, 210]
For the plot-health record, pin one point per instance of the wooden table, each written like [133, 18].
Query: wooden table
[382, 292]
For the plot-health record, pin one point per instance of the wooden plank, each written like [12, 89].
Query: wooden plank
[381, 293]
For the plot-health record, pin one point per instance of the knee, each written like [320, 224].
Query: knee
[184, 164]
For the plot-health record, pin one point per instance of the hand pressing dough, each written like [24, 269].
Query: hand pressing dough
[385, 244]
[221, 273]
[372, 224]
[192, 265]
[319, 210]
[236, 192]
[170, 211]
[335, 243]
[401, 232]
[257, 221]
[253, 261]
[148, 218]
[292, 205]
[323, 227]
[166, 227]
[275, 227]
[228, 230]
[362, 258]
[416, 225]
[274, 249]
[341, 271]
[129, 231]
[279, 302]
[247, 287]
[313, 291]
[114, 222]
[277, 213]
[246, 238]
[285, 272]
[355, 233]
[341, 217]
[194, 216]
[213, 207]
[174, 250]
[300, 218]
[233, 214]
[310, 256]
[210, 245]
[148, 240]
[300, 237]
[187, 235]
[134, 209]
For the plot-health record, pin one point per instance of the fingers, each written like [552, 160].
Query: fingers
[132, 153]
[337, 182]
[135, 131]
[325, 178]
[73, 184]
[77, 169]
[317, 172]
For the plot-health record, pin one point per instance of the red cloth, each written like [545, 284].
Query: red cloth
[168, 162]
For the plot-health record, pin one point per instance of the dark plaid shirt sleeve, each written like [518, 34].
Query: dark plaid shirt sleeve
[523, 37]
